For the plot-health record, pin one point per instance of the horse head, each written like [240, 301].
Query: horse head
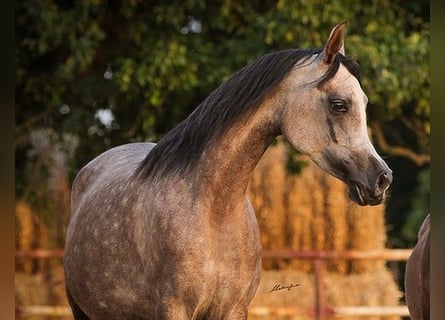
[325, 118]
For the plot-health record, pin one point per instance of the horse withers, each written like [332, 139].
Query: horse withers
[166, 231]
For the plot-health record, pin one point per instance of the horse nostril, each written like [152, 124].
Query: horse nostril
[384, 181]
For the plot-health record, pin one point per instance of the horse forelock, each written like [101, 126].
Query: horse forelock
[180, 149]
[348, 62]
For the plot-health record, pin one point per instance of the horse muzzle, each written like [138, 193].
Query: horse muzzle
[367, 176]
[375, 193]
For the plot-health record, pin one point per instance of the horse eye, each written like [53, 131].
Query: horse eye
[338, 106]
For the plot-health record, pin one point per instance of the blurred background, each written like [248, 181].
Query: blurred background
[94, 74]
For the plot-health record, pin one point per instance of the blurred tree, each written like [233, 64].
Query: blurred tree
[147, 64]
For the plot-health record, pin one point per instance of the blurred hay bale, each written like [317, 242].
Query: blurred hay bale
[44, 288]
[367, 289]
[30, 233]
[24, 222]
[30, 289]
[266, 190]
[312, 211]
[376, 288]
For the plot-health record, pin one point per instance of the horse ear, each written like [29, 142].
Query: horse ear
[335, 43]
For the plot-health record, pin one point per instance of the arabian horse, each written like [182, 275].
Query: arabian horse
[166, 231]
[417, 275]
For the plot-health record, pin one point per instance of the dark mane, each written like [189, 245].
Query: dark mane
[180, 149]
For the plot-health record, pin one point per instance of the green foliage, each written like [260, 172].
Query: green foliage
[162, 69]
[151, 63]
[419, 204]
[294, 166]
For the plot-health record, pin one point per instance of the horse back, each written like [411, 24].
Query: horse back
[118, 163]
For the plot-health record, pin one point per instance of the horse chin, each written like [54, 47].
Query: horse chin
[358, 195]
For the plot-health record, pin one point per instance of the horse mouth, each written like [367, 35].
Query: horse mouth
[363, 196]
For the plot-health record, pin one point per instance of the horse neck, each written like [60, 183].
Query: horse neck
[228, 162]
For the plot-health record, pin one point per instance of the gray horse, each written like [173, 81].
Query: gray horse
[417, 275]
[165, 231]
